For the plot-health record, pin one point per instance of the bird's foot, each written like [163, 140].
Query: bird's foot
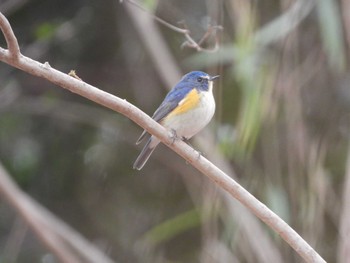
[173, 135]
[186, 140]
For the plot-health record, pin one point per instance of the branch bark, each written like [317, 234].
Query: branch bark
[130, 111]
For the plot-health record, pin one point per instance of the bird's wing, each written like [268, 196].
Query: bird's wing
[171, 101]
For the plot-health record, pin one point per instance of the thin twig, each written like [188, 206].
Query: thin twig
[163, 22]
[202, 164]
[190, 42]
[209, 32]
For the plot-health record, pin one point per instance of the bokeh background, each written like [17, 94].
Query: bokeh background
[281, 127]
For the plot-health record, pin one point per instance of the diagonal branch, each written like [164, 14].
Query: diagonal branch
[202, 164]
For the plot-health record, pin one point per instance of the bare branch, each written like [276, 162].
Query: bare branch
[189, 42]
[202, 164]
[10, 37]
[163, 22]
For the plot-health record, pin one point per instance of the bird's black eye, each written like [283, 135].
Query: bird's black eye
[199, 79]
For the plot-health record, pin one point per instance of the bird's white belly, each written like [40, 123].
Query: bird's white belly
[190, 123]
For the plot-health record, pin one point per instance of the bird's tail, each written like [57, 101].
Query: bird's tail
[146, 153]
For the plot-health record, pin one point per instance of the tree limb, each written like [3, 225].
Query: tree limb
[130, 111]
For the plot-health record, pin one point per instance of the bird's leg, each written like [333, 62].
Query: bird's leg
[186, 140]
[173, 135]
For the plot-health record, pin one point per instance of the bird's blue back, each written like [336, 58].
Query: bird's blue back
[171, 101]
[179, 92]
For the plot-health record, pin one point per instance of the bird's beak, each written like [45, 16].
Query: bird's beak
[214, 77]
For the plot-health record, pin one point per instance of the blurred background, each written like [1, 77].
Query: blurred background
[281, 127]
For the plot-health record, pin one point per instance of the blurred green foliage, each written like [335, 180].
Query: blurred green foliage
[150, 4]
[172, 227]
[45, 30]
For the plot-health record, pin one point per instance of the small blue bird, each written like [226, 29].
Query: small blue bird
[185, 111]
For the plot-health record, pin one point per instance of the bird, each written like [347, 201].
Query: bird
[186, 110]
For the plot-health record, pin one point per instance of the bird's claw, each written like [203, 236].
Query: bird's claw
[173, 136]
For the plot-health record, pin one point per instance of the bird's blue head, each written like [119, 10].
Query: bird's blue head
[199, 79]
